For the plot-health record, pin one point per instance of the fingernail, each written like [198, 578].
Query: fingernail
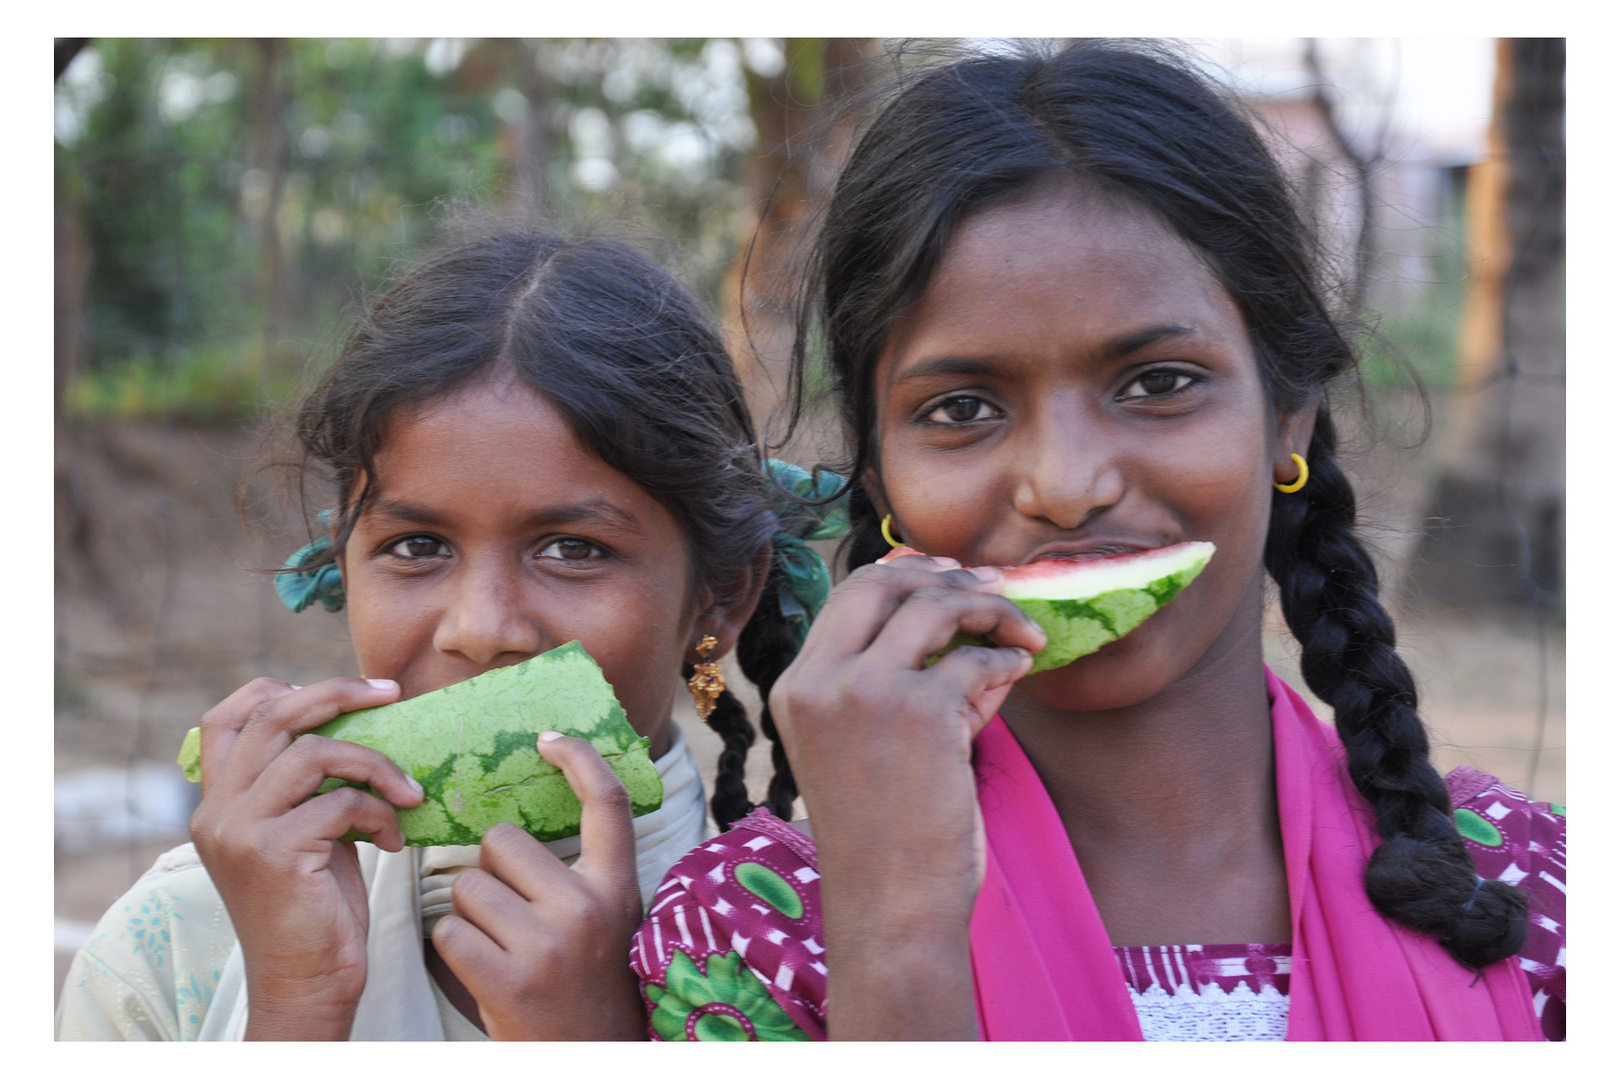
[985, 573]
[548, 736]
[415, 786]
[384, 684]
[294, 686]
[941, 560]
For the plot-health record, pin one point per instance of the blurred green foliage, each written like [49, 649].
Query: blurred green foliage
[234, 196]
[1414, 331]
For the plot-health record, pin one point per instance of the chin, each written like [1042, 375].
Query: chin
[1121, 674]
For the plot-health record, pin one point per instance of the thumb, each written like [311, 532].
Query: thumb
[607, 838]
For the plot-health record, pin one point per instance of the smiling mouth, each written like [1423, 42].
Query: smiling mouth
[1088, 551]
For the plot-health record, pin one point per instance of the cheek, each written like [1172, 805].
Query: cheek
[385, 633]
[640, 639]
[942, 509]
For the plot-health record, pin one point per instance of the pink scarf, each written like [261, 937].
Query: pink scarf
[1044, 968]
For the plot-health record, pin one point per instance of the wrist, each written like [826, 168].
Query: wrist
[899, 885]
[886, 986]
[308, 1011]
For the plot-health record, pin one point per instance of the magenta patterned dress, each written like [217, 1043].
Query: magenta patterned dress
[732, 947]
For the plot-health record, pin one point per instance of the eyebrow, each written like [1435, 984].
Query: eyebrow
[1113, 349]
[596, 511]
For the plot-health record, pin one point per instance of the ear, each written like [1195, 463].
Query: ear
[726, 620]
[1293, 437]
[874, 492]
[338, 552]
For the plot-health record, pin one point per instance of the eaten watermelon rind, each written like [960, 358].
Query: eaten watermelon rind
[471, 746]
[1083, 604]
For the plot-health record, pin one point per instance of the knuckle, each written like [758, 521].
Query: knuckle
[869, 576]
[449, 933]
[470, 886]
[502, 841]
[575, 908]
[309, 745]
[348, 800]
[260, 713]
[609, 793]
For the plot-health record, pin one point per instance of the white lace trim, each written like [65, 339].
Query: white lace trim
[1213, 1015]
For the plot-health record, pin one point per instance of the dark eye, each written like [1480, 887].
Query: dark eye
[419, 547]
[569, 549]
[960, 410]
[1157, 384]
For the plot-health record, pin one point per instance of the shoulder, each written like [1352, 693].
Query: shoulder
[732, 945]
[1521, 842]
[154, 959]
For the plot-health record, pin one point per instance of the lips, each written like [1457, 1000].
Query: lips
[1094, 548]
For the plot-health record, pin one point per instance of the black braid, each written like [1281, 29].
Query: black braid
[1139, 121]
[1422, 874]
[764, 650]
[865, 544]
[729, 720]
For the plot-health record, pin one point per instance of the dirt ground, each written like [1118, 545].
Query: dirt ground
[158, 617]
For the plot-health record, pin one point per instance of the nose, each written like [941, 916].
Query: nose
[485, 618]
[1068, 467]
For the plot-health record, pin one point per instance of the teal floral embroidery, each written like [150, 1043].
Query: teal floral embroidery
[723, 1003]
[191, 1000]
[93, 964]
[147, 923]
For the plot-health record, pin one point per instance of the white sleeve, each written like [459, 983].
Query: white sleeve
[154, 960]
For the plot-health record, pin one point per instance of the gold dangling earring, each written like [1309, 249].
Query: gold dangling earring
[888, 520]
[706, 683]
[1299, 482]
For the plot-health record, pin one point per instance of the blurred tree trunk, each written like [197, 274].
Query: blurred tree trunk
[1498, 506]
[267, 157]
[72, 252]
[803, 119]
[72, 268]
[527, 142]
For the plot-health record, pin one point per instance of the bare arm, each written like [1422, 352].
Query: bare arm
[881, 744]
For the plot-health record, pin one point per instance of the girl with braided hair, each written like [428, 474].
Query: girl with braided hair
[1069, 310]
[531, 439]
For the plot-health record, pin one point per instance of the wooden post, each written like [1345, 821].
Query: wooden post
[1497, 511]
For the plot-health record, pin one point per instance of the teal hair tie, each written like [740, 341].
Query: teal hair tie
[299, 588]
[806, 583]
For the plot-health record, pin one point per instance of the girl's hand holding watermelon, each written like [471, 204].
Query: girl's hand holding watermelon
[525, 924]
[881, 744]
[294, 889]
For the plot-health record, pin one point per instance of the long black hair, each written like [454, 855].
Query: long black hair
[1139, 121]
[636, 366]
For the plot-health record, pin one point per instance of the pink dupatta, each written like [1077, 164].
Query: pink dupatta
[1044, 968]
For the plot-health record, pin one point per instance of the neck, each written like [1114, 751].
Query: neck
[1170, 792]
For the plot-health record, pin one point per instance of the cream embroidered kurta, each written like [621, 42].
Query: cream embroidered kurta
[163, 962]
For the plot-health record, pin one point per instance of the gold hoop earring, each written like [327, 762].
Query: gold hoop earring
[1304, 475]
[706, 683]
[888, 519]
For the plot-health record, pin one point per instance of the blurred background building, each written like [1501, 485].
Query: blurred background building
[221, 206]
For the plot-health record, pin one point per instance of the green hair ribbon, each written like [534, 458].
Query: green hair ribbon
[802, 515]
[299, 588]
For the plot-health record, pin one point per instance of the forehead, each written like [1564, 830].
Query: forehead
[1063, 264]
[498, 446]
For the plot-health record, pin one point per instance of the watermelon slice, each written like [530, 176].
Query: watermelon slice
[1083, 603]
[472, 748]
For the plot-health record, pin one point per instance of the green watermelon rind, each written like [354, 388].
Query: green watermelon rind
[1080, 626]
[486, 770]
